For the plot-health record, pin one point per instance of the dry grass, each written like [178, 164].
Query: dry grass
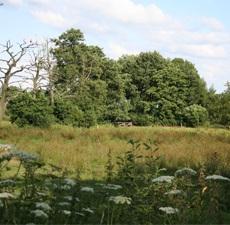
[86, 150]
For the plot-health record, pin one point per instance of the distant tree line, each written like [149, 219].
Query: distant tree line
[69, 82]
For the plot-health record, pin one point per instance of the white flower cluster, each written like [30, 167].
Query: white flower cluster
[7, 183]
[185, 172]
[39, 214]
[24, 156]
[112, 186]
[169, 210]
[43, 206]
[217, 177]
[6, 146]
[6, 195]
[88, 210]
[166, 179]
[64, 204]
[120, 199]
[66, 212]
[69, 182]
[174, 192]
[87, 189]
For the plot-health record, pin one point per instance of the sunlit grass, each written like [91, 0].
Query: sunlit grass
[85, 150]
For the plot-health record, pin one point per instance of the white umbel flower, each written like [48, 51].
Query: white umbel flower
[66, 212]
[185, 172]
[217, 177]
[120, 199]
[166, 179]
[112, 186]
[42, 205]
[87, 189]
[174, 192]
[88, 210]
[6, 195]
[39, 213]
[169, 210]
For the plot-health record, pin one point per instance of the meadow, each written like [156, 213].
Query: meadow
[86, 150]
[114, 175]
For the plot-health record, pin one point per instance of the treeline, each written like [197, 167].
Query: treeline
[69, 82]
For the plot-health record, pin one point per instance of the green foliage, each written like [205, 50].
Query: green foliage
[66, 112]
[195, 115]
[141, 192]
[28, 110]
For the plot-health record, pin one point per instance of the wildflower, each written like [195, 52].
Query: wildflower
[169, 210]
[7, 156]
[6, 146]
[42, 205]
[174, 192]
[112, 186]
[167, 179]
[6, 195]
[69, 182]
[39, 213]
[120, 199]
[87, 189]
[6, 183]
[68, 198]
[80, 214]
[88, 210]
[66, 212]
[64, 187]
[41, 194]
[162, 170]
[217, 177]
[64, 204]
[185, 172]
[24, 156]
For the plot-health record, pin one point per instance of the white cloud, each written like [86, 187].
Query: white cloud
[49, 17]
[124, 27]
[15, 3]
[212, 23]
[116, 50]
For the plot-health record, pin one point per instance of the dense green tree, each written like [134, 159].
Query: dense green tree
[117, 106]
[28, 110]
[195, 115]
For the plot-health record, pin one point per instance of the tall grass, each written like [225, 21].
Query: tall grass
[86, 150]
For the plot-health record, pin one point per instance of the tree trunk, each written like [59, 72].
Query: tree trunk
[3, 104]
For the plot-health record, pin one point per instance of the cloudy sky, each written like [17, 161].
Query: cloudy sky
[197, 30]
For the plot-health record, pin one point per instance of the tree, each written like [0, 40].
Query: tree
[28, 110]
[195, 115]
[76, 61]
[78, 72]
[10, 68]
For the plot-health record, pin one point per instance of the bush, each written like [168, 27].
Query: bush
[66, 112]
[195, 115]
[26, 109]
[142, 120]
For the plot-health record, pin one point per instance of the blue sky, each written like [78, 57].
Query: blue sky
[197, 30]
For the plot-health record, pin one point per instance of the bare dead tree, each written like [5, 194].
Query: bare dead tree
[36, 70]
[10, 68]
[49, 68]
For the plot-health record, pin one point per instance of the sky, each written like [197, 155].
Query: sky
[196, 30]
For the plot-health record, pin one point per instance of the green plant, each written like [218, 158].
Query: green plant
[29, 110]
[195, 115]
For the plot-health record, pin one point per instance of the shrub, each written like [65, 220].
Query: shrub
[26, 109]
[195, 115]
[142, 120]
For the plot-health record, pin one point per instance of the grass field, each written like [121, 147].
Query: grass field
[85, 150]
